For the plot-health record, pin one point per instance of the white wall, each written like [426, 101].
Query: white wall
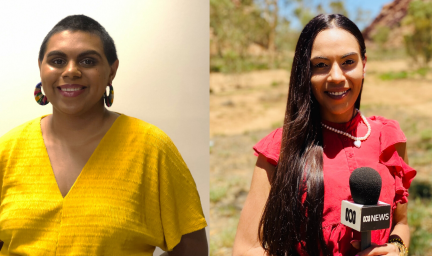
[163, 77]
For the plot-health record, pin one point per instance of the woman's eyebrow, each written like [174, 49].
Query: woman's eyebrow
[57, 53]
[89, 52]
[343, 56]
[319, 57]
[62, 54]
[348, 54]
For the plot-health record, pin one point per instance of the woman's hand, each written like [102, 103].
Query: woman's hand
[375, 249]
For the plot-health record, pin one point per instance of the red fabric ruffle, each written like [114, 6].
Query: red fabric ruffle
[391, 134]
[270, 146]
[402, 173]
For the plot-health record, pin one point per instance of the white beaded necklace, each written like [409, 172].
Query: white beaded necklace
[357, 140]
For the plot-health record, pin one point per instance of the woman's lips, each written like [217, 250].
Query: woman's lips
[71, 90]
[337, 95]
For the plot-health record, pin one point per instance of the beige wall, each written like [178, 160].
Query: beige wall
[163, 75]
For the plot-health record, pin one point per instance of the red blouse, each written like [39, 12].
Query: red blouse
[341, 158]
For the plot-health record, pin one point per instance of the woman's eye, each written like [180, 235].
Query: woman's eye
[348, 62]
[320, 65]
[88, 62]
[58, 61]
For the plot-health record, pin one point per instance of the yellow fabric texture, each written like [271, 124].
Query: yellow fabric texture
[134, 193]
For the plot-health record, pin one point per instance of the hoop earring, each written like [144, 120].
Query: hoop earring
[39, 97]
[110, 98]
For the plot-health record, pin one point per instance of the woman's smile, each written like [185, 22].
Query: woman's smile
[71, 90]
[337, 95]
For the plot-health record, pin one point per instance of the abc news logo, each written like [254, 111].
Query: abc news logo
[376, 217]
[365, 217]
[350, 216]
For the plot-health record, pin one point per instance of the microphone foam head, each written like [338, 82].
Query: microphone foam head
[365, 185]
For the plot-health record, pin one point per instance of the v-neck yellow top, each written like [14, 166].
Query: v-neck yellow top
[134, 193]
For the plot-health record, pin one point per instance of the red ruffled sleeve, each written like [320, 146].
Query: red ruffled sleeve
[269, 146]
[403, 173]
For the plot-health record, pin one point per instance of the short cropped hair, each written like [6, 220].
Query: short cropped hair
[86, 24]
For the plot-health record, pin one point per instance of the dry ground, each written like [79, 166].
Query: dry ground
[246, 107]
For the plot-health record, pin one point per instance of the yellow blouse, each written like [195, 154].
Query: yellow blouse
[134, 193]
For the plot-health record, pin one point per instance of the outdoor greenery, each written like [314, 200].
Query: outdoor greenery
[418, 43]
[251, 35]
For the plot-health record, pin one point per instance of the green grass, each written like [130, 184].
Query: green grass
[386, 54]
[276, 125]
[225, 238]
[217, 193]
[393, 75]
[425, 142]
[228, 210]
[421, 72]
[426, 135]
[275, 84]
[420, 222]
[421, 159]
[234, 63]
[421, 190]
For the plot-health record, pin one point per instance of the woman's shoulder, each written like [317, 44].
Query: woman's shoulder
[134, 125]
[20, 138]
[269, 146]
[24, 131]
[382, 121]
[390, 131]
[138, 131]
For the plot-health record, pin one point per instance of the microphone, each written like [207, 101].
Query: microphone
[365, 213]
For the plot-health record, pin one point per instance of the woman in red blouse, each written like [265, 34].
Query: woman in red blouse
[302, 172]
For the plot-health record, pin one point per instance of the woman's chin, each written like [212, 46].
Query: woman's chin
[338, 115]
[72, 109]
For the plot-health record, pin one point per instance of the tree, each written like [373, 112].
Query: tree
[236, 24]
[338, 7]
[419, 43]
[304, 12]
[272, 17]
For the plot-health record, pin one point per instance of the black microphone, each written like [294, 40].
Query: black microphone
[365, 213]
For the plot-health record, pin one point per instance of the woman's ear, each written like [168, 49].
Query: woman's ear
[113, 70]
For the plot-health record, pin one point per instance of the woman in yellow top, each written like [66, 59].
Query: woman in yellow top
[88, 181]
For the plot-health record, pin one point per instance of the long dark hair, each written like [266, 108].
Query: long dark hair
[289, 219]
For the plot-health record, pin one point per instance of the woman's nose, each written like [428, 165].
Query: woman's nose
[72, 70]
[336, 74]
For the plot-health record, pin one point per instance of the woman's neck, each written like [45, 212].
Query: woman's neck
[339, 118]
[78, 128]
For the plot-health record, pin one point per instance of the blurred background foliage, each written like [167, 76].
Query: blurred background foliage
[418, 43]
[248, 35]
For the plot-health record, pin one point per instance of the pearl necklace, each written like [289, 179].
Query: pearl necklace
[357, 140]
